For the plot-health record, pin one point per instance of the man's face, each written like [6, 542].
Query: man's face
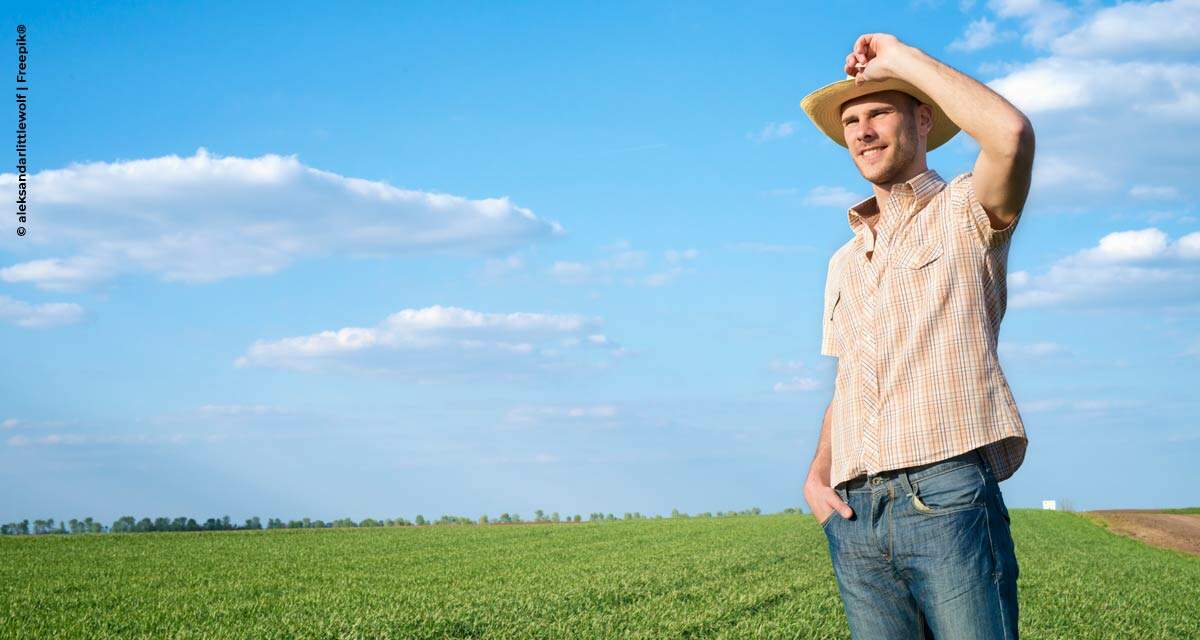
[884, 133]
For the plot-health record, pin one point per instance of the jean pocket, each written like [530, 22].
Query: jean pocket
[829, 518]
[955, 489]
[1003, 507]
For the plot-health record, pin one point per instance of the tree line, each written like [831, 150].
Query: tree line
[129, 524]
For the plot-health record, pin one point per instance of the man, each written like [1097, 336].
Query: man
[922, 425]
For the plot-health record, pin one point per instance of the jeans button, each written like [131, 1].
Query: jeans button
[877, 481]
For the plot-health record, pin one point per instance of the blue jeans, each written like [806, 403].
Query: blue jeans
[927, 553]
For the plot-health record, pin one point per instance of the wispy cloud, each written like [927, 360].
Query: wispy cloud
[1042, 20]
[438, 343]
[802, 376]
[539, 414]
[622, 263]
[832, 197]
[979, 34]
[773, 131]
[1036, 350]
[39, 316]
[1154, 192]
[770, 247]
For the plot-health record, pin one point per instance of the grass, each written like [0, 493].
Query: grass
[743, 577]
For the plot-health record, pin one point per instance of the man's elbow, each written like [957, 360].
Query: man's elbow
[1012, 141]
[1018, 140]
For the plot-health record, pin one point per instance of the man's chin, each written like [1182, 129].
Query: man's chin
[875, 175]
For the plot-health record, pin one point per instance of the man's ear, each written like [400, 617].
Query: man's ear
[924, 118]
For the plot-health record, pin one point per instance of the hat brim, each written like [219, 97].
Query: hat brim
[824, 108]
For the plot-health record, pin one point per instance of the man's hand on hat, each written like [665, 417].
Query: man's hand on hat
[873, 56]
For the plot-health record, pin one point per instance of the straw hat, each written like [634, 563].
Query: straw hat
[824, 107]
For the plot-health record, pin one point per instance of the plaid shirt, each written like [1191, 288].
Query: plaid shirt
[914, 329]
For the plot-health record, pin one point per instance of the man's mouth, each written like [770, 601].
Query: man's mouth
[871, 153]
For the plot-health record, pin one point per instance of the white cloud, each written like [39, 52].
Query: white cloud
[499, 267]
[1034, 350]
[773, 131]
[1193, 349]
[802, 376]
[1125, 268]
[242, 410]
[1147, 88]
[561, 413]
[770, 247]
[623, 262]
[39, 316]
[1042, 20]
[1110, 109]
[436, 343]
[831, 197]
[663, 277]
[1154, 192]
[205, 218]
[797, 384]
[1135, 28]
[979, 34]
[1077, 406]
[673, 256]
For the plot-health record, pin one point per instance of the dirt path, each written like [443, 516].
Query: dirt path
[1170, 530]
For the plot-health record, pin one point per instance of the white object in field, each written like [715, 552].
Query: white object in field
[1050, 504]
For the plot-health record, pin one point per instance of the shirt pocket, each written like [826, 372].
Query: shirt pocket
[921, 256]
[838, 323]
[833, 307]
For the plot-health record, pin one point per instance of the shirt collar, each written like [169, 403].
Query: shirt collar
[914, 194]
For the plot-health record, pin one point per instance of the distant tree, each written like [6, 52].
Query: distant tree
[253, 523]
[421, 520]
[483, 519]
[539, 515]
[124, 524]
[554, 517]
[577, 518]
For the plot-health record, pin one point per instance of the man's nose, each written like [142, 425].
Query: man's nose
[865, 133]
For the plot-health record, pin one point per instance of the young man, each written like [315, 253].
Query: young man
[922, 425]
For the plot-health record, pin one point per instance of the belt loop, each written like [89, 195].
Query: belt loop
[902, 475]
[843, 492]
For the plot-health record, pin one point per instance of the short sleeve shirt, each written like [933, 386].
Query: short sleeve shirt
[915, 330]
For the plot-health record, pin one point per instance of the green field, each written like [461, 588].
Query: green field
[733, 577]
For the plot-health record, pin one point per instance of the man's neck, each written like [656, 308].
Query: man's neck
[883, 191]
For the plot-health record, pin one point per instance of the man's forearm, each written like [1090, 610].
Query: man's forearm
[984, 114]
[823, 462]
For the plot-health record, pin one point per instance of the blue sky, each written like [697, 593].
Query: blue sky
[463, 260]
